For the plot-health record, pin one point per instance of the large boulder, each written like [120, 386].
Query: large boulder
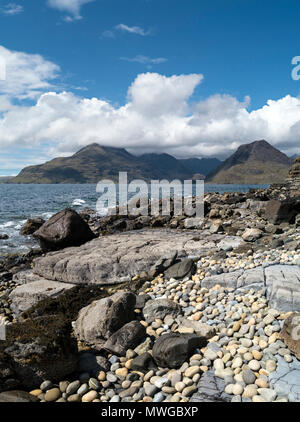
[37, 350]
[98, 321]
[290, 333]
[66, 228]
[173, 349]
[31, 225]
[282, 211]
[160, 308]
[127, 337]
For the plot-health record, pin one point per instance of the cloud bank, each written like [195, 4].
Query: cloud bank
[160, 114]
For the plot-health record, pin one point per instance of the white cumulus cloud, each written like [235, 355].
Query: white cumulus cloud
[161, 114]
[26, 76]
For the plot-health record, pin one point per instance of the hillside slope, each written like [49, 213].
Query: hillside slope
[254, 163]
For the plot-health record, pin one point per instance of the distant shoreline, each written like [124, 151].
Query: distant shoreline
[86, 184]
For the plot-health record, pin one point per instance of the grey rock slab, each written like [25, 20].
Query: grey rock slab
[106, 260]
[282, 284]
[237, 279]
[283, 287]
[25, 296]
[26, 276]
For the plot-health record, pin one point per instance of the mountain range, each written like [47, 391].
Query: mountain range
[95, 162]
[254, 163]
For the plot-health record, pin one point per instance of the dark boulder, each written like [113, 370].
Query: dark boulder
[4, 237]
[173, 349]
[163, 264]
[64, 229]
[31, 225]
[181, 269]
[143, 363]
[127, 337]
[277, 211]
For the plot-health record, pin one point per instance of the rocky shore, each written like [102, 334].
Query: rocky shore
[158, 309]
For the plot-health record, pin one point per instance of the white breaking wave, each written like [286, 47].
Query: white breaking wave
[7, 224]
[78, 202]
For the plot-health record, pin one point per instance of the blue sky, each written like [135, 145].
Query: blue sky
[241, 51]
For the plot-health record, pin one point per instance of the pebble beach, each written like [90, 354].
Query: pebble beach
[205, 327]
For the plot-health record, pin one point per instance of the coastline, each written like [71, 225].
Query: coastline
[34, 201]
[179, 278]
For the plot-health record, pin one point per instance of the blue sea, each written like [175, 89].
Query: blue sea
[20, 202]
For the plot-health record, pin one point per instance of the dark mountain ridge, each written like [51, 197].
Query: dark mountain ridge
[95, 162]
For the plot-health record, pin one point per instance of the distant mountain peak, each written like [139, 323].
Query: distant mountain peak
[94, 147]
[256, 162]
[256, 151]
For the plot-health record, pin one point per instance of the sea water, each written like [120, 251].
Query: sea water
[20, 202]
